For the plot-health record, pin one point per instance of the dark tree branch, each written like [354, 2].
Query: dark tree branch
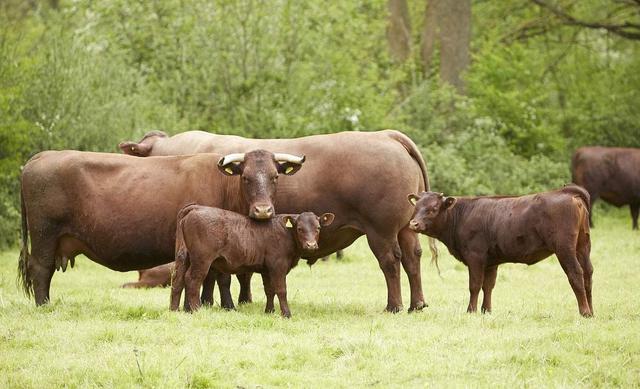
[624, 29]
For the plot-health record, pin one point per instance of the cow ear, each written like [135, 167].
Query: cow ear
[288, 168]
[230, 169]
[449, 202]
[137, 149]
[326, 219]
[413, 199]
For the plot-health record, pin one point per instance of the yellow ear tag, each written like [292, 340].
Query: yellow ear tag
[288, 224]
[228, 170]
[288, 170]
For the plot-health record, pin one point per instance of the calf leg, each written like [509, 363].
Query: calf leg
[594, 197]
[573, 270]
[224, 287]
[635, 208]
[476, 279]
[411, 253]
[209, 283]
[388, 253]
[584, 254]
[489, 282]
[269, 292]
[245, 288]
[177, 284]
[278, 281]
[194, 277]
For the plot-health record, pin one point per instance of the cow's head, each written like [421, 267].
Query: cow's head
[306, 227]
[259, 170]
[145, 146]
[429, 213]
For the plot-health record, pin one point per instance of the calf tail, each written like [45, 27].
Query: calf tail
[580, 192]
[24, 278]
[181, 258]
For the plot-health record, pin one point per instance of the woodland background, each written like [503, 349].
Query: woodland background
[498, 94]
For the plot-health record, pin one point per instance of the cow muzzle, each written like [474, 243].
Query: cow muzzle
[310, 245]
[261, 212]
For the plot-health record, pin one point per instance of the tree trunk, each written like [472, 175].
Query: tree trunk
[399, 30]
[447, 22]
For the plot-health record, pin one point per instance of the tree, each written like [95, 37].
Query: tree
[399, 30]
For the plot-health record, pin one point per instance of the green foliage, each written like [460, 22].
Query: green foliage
[86, 75]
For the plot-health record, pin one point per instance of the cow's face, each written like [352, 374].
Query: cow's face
[258, 171]
[144, 147]
[430, 208]
[307, 227]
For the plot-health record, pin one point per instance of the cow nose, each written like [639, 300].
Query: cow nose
[311, 245]
[413, 224]
[263, 211]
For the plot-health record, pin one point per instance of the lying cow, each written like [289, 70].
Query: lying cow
[159, 276]
[609, 173]
[484, 232]
[361, 177]
[120, 211]
[229, 243]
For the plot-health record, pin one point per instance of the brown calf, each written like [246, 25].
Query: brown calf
[154, 277]
[484, 232]
[230, 243]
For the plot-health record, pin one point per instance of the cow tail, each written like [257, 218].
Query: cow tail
[414, 152]
[24, 278]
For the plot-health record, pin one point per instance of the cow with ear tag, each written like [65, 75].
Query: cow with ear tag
[212, 239]
[486, 231]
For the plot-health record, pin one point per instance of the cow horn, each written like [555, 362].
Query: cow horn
[281, 157]
[230, 158]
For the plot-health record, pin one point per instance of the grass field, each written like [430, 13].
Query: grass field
[95, 334]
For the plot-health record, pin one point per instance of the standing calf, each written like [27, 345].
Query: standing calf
[484, 232]
[231, 243]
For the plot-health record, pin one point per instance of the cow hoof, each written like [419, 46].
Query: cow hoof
[395, 309]
[418, 307]
[244, 301]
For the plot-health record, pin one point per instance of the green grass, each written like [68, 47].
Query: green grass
[95, 334]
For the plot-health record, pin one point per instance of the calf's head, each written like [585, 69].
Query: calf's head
[259, 170]
[306, 227]
[428, 217]
[144, 147]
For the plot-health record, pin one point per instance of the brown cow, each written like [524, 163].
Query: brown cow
[159, 276]
[227, 242]
[484, 232]
[361, 177]
[120, 211]
[609, 173]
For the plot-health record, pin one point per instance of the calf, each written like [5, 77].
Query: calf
[484, 232]
[154, 277]
[231, 243]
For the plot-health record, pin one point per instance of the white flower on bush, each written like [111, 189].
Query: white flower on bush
[352, 116]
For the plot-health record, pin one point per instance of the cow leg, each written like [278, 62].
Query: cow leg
[278, 281]
[635, 208]
[41, 265]
[339, 254]
[476, 279]
[489, 282]
[269, 292]
[224, 287]
[411, 253]
[208, 285]
[194, 277]
[245, 288]
[584, 254]
[388, 253]
[573, 270]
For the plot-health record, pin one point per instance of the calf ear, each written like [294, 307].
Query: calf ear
[327, 219]
[413, 199]
[137, 149]
[448, 202]
[288, 221]
[230, 169]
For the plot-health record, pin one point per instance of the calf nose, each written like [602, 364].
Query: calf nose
[311, 245]
[413, 225]
[263, 211]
